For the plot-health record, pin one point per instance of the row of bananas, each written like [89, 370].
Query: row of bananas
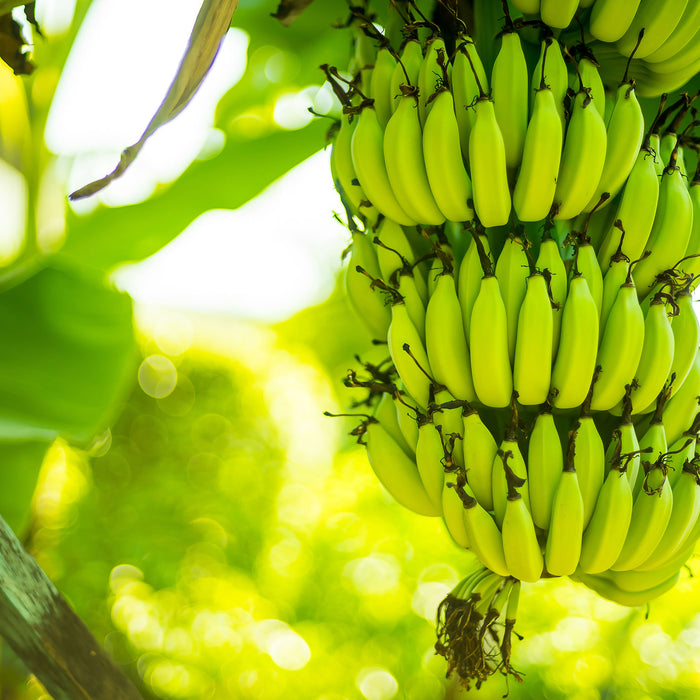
[526, 245]
[667, 56]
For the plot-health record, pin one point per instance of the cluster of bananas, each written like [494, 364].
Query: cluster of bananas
[667, 56]
[528, 255]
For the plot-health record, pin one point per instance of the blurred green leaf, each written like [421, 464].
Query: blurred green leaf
[70, 359]
[21, 462]
[109, 237]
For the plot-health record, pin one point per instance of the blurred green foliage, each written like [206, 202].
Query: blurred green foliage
[222, 538]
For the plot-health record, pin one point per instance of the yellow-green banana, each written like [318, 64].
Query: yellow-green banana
[469, 279]
[550, 259]
[545, 463]
[480, 451]
[589, 461]
[406, 70]
[512, 271]
[686, 335]
[558, 13]
[447, 175]
[658, 20]
[387, 416]
[604, 586]
[429, 460]
[610, 19]
[430, 76]
[683, 407]
[556, 77]
[380, 85]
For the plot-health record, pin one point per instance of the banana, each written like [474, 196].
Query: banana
[687, 29]
[429, 461]
[509, 88]
[484, 536]
[587, 265]
[558, 13]
[380, 85]
[405, 165]
[446, 344]
[605, 535]
[680, 452]
[670, 232]
[545, 463]
[656, 358]
[387, 416]
[582, 159]
[523, 555]
[652, 441]
[620, 348]
[406, 71]
[527, 7]
[488, 330]
[577, 347]
[453, 510]
[643, 578]
[508, 453]
[368, 304]
[550, 259]
[537, 179]
[487, 160]
[446, 413]
[686, 335]
[563, 548]
[396, 471]
[589, 460]
[655, 145]
[402, 332]
[512, 271]
[550, 72]
[636, 211]
[469, 278]
[684, 516]
[588, 68]
[683, 407]
[480, 450]
[604, 587]
[625, 133]
[365, 56]
[615, 275]
[679, 67]
[610, 19]
[447, 175]
[658, 20]
[367, 148]
[430, 76]
[624, 444]
[669, 143]
[650, 517]
[469, 80]
[692, 266]
[532, 369]
[406, 413]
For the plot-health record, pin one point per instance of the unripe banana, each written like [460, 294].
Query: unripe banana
[509, 87]
[582, 160]
[563, 549]
[387, 416]
[453, 511]
[686, 335]
[604, 587]
[480, 450]
[469, 279]
[587, 265]
[444, 165]
[380, 85]
[508, 453]
[650, 516]
[406, 70]
[402, 332]
[487, 159]
[545, 463]
[396, 471]
[429, 460]
[405, 165]
[512, 271]
[610, 19]
[671, 230]
[550, 259]
[367, 149]
[430, 76]
[558, 13]
[394, 253]
[556, 78]
[590, 76]
[652, 444]
[605, 535]
[367, 303]
[523, 555]
[589, 461]
[658, 20]
[683, 407]
[614, 277]
[656, 359]
[577, 348]
[446, 344]
[687, 28]
[467, 76]
[406, 414]
[532, 370]
[625, 132]
[620, 348]
[537, 180]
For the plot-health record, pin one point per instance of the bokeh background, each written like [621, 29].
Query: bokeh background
[223, 538]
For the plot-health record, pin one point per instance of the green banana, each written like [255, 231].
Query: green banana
[480, 450]
[512, 271]
[577, 347]
[610, 19]
[558, 13]
[380, 85]
[658, 20]
[396, 471]
[563, 549]
[509, 87]
[589, 460]
[550, 259]
[545, 463]
[683, 406]
[550, 72]
[447, 175]
[406, 413]
[429, 459]
[406, 70]
[685, 32]
[469, 278]
[587, 265]
[387, 416]
[588, 68]
[430, 76]
[604, 587]
[686, 336]
[532, 369]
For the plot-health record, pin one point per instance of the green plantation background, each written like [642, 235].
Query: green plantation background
[224, 539]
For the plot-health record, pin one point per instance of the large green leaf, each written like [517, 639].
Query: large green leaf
[67, 359]
[241, 171]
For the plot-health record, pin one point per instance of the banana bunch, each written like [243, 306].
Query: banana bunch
[525, 246]
[665, 57]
